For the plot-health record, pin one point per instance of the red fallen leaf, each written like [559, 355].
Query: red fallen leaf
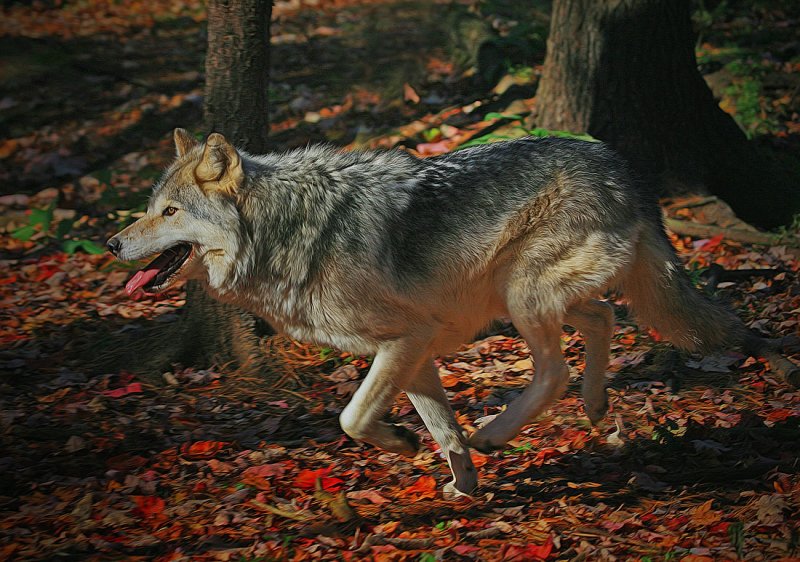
[424, 487]
[8, 280]
[46, 272]
[148, 506]
[465, 549]
[523, 553]
[780, 415]
[673, 523]
[132, 388]
[307, 480]
[720, 528]
[711, 244]
[202, 449]
[545, 454]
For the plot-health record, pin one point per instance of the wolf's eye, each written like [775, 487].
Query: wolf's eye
[169, 211]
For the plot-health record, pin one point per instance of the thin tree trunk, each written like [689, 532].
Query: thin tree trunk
[237, 71]
[236, 105]
[625, 72]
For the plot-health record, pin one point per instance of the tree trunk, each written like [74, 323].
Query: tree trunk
[625, 72]
[237, 77]
[237, 71]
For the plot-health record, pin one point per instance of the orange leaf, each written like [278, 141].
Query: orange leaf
[202, 449]
[479, 460]
[307, 480]
[449, 381]
[545, 454]
[704, 515]
[149, 506]
[8, 147]
[424, 487]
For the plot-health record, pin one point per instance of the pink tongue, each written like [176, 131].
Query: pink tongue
[139, 280]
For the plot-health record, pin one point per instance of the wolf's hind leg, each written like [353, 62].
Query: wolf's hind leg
[430, 400]
[595, 320]
[393, 369]
[549, 383]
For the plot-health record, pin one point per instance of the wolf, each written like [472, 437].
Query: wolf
[387, 254]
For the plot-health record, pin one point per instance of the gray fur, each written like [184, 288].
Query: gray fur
[385, 253]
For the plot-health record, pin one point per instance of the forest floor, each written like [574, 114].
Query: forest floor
[697, 459]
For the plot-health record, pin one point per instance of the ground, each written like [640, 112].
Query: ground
[697, 459]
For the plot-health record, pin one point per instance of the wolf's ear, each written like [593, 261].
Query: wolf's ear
[184, 142]
[220, 168]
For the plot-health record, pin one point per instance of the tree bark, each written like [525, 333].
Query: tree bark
[625, 72]
[236, 105]
[237, 71]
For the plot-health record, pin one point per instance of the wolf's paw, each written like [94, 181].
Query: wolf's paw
[484, 443]
[465, 476]
[452, 491]
[404, 441]
[596, 411]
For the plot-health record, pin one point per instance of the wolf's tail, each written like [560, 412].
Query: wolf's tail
[662, 296]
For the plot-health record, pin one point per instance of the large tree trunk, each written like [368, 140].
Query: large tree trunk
[237, 77]
[625, 72]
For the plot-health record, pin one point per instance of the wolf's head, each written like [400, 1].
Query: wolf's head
[192, 221]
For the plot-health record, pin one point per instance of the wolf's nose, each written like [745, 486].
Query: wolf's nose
[114, 245]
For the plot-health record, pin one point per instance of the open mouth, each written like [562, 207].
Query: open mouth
[162, 271]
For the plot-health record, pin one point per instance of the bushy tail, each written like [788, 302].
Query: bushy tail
[662, 296]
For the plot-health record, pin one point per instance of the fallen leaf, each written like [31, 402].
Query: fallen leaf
[149, 506]
[370, 495]
[202, 449]
[307, 480]
[424, 487]
[132, 388]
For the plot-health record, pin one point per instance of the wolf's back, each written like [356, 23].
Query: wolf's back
[662, 296]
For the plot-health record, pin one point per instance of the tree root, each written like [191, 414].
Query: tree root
[696, 230]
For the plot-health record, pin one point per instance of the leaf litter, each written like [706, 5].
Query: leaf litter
[697, 459]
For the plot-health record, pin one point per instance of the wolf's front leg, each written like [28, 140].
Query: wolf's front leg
[395, 366]
[429, 398]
